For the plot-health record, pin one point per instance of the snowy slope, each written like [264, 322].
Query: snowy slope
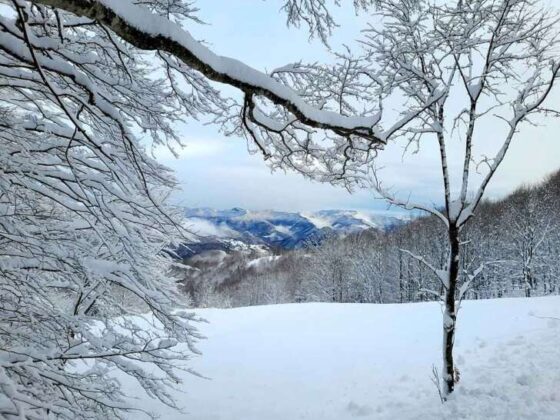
[347, 361]
[281, 229]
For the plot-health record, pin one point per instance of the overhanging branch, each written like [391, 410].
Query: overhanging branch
[148, 31]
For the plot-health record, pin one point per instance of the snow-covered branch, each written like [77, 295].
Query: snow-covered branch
[442, 275]
[84, 222]
[149, 31]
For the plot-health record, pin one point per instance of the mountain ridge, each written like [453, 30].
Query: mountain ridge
[280, 229]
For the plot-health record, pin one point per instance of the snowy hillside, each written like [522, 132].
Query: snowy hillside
[347, 361]
[282, 229]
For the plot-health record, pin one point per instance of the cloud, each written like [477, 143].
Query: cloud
[193, 148]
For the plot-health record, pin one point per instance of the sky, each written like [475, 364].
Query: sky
[219, 172]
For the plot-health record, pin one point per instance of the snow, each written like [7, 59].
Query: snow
[348, 361]
[443, 276]
[347, 218]
[140, 17]
[455, 208]
[279, 228]
[262, 261]
[316, 219]
[215, 256]
[366, 218]
[350, 219]
[204, 227]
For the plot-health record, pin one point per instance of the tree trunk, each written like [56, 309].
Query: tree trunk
[401, 285]
[449, 314]
[529, 281]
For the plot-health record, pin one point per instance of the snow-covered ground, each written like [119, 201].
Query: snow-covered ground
[347, 361]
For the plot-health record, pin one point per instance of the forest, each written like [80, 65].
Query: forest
[516, 240]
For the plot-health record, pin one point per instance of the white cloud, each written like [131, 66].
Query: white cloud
[193, 148]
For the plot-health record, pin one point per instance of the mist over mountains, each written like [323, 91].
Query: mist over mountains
[214, 229]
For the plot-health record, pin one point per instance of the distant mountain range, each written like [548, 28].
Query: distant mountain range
[277, 229]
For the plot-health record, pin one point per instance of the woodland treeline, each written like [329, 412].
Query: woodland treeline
[515, 242]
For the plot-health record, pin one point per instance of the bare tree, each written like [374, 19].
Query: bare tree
[531, 226]
[499, 58]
